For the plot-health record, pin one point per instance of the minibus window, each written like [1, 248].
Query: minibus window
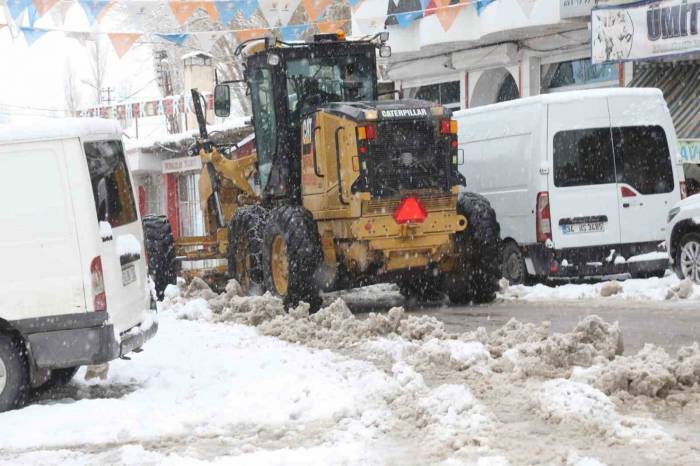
[642, 159]
[583, 157]
[111, 186]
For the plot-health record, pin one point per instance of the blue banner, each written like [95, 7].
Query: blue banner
[31, 35]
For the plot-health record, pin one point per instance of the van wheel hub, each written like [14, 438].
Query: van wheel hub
[690, 260]
[280, 265]
[3, 376]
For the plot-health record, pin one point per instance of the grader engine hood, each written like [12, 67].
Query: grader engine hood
[405, 145]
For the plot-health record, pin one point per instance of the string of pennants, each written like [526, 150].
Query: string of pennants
[168, 106]
[276, 13]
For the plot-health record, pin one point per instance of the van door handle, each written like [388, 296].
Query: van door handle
[626, 205]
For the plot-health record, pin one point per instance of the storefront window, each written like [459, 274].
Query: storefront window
[191, 221]
[446, 94]
[578, 73]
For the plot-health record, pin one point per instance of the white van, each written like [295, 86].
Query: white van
[73, 285]
[581, 181]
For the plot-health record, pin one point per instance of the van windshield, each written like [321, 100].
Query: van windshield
[111, 186]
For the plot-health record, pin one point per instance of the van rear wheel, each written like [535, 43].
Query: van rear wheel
[513, 263]
[160, 249]
[14, 375]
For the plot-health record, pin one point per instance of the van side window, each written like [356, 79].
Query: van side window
[111, 186]
[642, 159]
[583, 157]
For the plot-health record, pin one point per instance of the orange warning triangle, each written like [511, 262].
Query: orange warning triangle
[314, 8]
[329, 27]
[42, 6]
[122, 42]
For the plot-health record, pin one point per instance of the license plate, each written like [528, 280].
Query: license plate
[128, 274]
[589, 227]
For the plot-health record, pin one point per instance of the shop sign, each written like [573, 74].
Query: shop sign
[182, 164]
[690, 150]
[648, 30]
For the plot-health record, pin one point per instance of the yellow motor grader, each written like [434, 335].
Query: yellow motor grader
[351, 189]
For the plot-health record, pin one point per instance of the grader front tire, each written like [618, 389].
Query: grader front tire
[245, 245]
[160, 249]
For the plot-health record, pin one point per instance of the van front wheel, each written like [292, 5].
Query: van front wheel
[14, 376]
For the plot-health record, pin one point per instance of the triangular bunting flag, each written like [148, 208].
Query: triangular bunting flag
[32, 15]
[329, 27]
[16, 7]
[481, 4]
[445, 14]
[246, 34]
[42, 6]
[278, 12]
[207, 40]
[58, 14]
[227, 11]
[93, 8]
[527, 6]
[429, 7]
[293, 32]
[122, 42]
[403, 12]
[184, 10]
[31, 35]
[177, 39]
[315, 8]
[247, 7]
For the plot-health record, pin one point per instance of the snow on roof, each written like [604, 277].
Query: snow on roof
[196, 53]
[563, 97]
[142, 143]
[58, 128]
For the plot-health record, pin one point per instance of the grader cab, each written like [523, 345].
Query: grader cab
[352, 189]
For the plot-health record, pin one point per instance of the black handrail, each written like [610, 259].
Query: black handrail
[337, 159]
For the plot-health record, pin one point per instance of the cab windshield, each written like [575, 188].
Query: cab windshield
[312, 82]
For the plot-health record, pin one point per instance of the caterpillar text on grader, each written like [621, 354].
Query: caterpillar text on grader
[351, 190]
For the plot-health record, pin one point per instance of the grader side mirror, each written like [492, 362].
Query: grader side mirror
[385, 51]
[222, 100]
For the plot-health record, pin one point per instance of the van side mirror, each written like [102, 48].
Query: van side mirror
[222, 100]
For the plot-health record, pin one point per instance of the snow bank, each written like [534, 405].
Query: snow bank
[648, 289]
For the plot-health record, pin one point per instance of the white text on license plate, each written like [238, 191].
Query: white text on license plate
[128, 274]
[589, 227]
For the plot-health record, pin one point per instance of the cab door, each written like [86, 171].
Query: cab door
[647, 185]
[581, 178]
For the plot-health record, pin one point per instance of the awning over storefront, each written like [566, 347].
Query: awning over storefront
[680, 83]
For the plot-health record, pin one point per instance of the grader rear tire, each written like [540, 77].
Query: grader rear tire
[160, 249]
[478, 269]
[292, 255]
[245, 245]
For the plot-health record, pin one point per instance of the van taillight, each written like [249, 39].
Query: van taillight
[543, 219]
[99, 297]
[684, 190]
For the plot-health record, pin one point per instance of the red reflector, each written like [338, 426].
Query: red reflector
[627, 192]
[454, 144]
[445, 127]
[410, 211]
[371, 131]
[99, 297]
[363, 150]
[684, 190]
[554, 267]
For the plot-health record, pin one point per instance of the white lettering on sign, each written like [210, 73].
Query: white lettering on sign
[182, 164]
[404, 112]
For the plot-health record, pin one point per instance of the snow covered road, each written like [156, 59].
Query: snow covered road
[232, 380]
